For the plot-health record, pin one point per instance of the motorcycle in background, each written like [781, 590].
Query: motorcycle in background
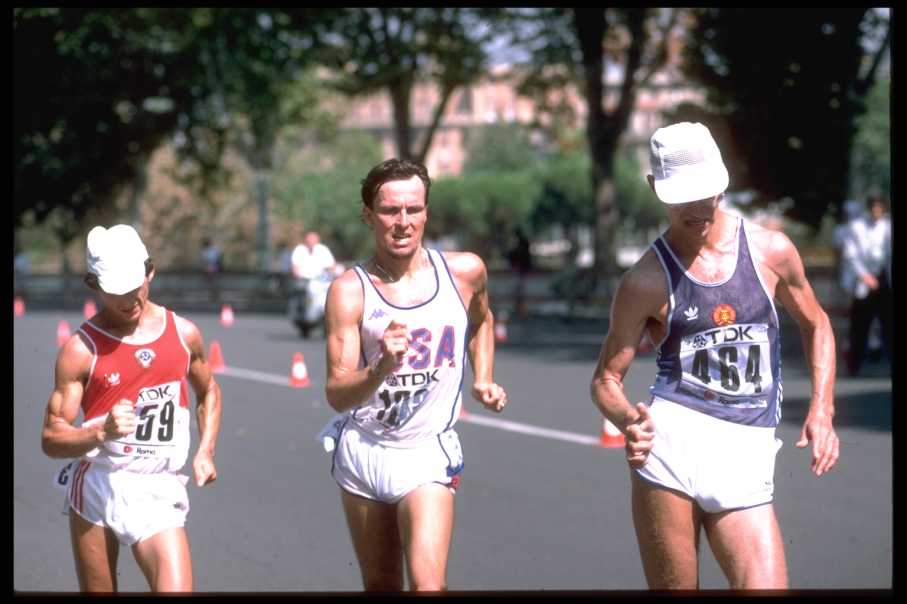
[307, 302]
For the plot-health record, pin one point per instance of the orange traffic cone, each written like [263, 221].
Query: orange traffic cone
[89, 309]
[215, 357]
[18, 307]
[299, 375]
[226, 316]
[62, 332]
[612, 437]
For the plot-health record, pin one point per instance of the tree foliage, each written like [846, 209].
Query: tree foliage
[391, 49]
[580, 46]
[95, 91]
[785, 110]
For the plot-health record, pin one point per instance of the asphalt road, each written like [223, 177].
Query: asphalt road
[541, 506]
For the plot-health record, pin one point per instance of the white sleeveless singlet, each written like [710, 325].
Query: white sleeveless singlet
[422, 397]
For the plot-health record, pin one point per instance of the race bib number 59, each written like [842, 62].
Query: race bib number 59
[161, 423]
[733, 360]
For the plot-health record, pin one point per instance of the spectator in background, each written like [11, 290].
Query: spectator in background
[284, 266]
[866, 275]
[520, 257]
[21, 269]
[212, 265]
[311, 258]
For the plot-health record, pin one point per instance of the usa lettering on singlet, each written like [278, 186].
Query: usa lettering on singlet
[153, 375]
[721, 354]
[422, 397]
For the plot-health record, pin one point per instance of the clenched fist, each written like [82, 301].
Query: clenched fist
[121, 420]
[490, 394]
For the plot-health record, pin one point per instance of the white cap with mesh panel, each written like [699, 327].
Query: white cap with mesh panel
[117, 257]
[686, 163]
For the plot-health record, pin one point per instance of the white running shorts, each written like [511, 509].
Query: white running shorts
[721, 465]
[134, 506]
[365, 467]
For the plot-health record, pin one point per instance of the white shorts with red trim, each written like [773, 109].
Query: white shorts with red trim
[367, 468]
[133, 506]
[720, 464]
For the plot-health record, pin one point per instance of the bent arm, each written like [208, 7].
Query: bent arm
[347, 384]
[59, 437]
[480, 345]
[797, 296]
[207, 390]
[627, 323]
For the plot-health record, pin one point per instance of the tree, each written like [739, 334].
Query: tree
[785, 117]
[95, 92]
[872, 145]
[584, 46]
[392, 49]
[320, 190]
[259, 65]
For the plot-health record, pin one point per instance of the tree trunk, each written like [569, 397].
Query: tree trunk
[262, 182]
[140, 184]
[400, 97]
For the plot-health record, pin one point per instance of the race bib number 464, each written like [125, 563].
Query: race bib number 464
[733, 360]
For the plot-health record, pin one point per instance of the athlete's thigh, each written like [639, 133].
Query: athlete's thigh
[667, 529]
[747, 545]
[95, 549]
[426, 518]
[376, 540]
[165, 560]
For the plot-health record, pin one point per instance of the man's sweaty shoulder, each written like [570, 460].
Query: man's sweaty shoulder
[345, 296]
[466, 266]
[773, 252]
[644, 285]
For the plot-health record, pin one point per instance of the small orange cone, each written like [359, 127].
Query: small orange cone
[215, 357]
[63, 333]
[89, 309]
[299, 375]
[612, 437]
[226, 316]
[18, 307]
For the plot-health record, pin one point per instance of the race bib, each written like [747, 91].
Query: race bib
[731, 363]
[162, 424]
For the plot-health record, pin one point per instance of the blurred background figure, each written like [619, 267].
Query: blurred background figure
[313, 268]
[212, 265]
[866, 275]
[21, 268]
[311, 257]
[520, 258]
[283, 266]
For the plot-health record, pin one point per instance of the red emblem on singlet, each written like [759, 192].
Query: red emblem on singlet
[724, 314]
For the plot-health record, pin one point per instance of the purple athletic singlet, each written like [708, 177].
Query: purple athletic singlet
[721, 354]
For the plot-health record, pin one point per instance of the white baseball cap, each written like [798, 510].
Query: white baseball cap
[686, 163]
[117, 257]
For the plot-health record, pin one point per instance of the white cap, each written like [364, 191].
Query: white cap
[117, 256]
[686, 163]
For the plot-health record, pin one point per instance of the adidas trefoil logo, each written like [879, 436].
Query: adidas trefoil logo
[691, 313]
